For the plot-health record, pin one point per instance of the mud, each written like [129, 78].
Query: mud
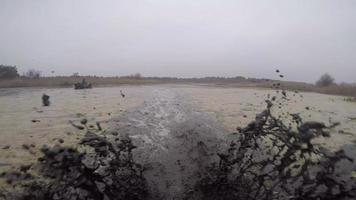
[175, 142]
[172, 142]
[106, 172]
[234, 107]
[270, 160]
[23, 118]
[45, 100]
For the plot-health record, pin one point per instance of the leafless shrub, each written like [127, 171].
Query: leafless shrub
[136, 76]
[76, 74]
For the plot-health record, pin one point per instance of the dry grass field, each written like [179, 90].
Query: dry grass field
[68, 81]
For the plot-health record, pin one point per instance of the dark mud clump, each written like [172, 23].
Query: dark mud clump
[6, 147]
[45, 100]
[270, 160]
[104, 171]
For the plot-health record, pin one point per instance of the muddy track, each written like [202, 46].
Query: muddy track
[175, 142]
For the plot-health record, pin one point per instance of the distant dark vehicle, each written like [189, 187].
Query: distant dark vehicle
[82, 85]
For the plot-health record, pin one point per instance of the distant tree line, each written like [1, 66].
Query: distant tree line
[10, 72]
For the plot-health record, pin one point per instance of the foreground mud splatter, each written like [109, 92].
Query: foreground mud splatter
[104, 170]
[175, 143]
[271, 160]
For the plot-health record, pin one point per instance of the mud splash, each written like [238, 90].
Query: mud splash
[104, 170]
[175, 143]
[272, 160]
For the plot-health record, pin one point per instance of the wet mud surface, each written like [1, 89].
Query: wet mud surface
[24, 120]
[175, 143]
[234, 107]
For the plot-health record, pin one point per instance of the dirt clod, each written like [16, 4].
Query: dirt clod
[45, 100]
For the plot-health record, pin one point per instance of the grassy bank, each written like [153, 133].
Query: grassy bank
[344, 90]
[69, 81]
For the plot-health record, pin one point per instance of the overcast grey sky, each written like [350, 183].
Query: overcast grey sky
[184, 38]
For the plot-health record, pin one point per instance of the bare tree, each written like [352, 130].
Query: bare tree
[32, 73]
[325, 80]
[76, 74]
[135, 76]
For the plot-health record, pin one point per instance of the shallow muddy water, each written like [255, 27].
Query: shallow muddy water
[18, 107]
[236, 107]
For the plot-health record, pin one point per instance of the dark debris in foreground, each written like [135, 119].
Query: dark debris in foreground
[270, 160]
[105, 171]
